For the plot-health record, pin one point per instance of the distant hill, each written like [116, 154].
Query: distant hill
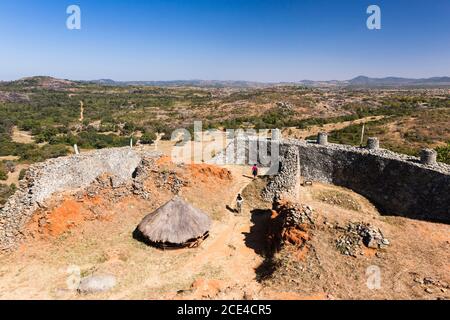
[395, 81]
[358, 82]
[363, 81]
[41, 82]
[182, 83]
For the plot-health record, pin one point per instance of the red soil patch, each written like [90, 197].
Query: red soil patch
[369, 252]
[204, 171]
[63, 216]
[296, 236]
[164, 160]
[206, 288]
[67, 215]
[272, 295]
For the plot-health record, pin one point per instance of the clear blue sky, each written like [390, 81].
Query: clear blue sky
[262, 40]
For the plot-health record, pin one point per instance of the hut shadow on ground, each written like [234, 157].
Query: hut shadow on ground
[138, 236]
[256, 239]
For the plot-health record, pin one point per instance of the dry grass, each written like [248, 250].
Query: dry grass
[338, 198]
[21, 136]
[418, 249]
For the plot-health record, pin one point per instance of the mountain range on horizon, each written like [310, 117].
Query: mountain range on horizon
[359, 81]
[363, 81]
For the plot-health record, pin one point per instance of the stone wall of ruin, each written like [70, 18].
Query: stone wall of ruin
[397, 184]
[62, 174]
[286, 181]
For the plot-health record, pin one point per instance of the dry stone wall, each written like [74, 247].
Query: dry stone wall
[397, 184]
[287, 180]
[63, 174]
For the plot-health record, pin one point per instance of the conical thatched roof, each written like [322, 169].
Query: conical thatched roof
[176, 222]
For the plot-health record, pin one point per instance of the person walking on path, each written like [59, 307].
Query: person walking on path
[239, 203]
[255, 171]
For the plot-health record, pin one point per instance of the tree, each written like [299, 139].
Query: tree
[148, 137]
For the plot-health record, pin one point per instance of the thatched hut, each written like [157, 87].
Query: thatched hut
[177, 224]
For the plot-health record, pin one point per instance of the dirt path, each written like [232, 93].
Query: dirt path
[228, 243]
[81, 112]
[14, 177]
[226, 260]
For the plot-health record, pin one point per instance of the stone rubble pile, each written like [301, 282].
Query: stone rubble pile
[166, 179]
[142, 172]
[171, 181]
[295, 214]
[290, 224]
[116, 189]
[357, 234]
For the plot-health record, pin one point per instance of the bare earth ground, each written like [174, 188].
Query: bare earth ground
[419, 250]
[94, 236]
[22, 136]
[14, 176]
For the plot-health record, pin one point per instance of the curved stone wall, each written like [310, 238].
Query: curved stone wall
[396, 184]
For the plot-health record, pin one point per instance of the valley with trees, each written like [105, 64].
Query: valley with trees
[44, 117]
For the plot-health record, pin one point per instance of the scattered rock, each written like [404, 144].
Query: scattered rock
[96, 284]
[284, 106]
[357, 234]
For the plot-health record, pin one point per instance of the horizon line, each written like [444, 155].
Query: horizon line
[228, 80]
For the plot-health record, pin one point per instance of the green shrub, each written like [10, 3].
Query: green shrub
[148, 137]
[5, 192]
[33, 153]
[22, 174]
[444, 154]
[92, 140]
[3, 173]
